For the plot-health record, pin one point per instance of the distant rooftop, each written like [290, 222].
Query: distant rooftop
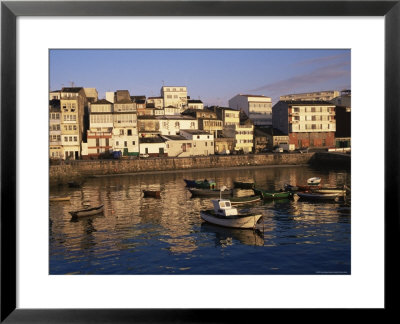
[74, 89]
[101, 102]
[307, 102]
[175, 137]
[157, 139]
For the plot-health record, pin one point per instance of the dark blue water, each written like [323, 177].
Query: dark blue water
[137, 235]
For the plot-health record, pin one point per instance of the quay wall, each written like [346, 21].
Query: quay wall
[80, 169]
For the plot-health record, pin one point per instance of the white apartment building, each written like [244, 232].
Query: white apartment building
[171, 125]
[318, 95]
[101, 123]
[257, 108]
[55, 146]
[155, 102]
[195, 104]
[308, 123]
[203, 142]
[125, 132]
[174, 96]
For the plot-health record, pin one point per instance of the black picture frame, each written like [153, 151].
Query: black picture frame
[10, 10]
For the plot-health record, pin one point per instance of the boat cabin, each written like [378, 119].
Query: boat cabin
[224, 207]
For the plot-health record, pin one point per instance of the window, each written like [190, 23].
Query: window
[133, 142]
[117, 143]
[121, 132]
[126, 144]
[129, 132]
[66, 138]
[75, 138]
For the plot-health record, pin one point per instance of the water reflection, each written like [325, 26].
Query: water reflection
[166, 235]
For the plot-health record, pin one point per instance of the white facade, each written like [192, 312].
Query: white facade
[110, 96]
[319, 95]
[175, 96]
[172, 111]
[125, 132]
[158, 102]
[257, 108]
[171, 125]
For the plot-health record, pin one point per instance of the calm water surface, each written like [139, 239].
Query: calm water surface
[137, 235]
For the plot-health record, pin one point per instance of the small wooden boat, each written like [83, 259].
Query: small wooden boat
[88, 211]
[326, 190]
[67, 198]
[318, 196]
[201, 184]
[273, 194]
[225, 215]
[244, 200]
[196, 192]
[152, 193]
[243, 185]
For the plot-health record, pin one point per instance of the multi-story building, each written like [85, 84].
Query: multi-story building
[91, 94]
[172, 111]
[311, 96]
[203, 142]
[72, 105]
[343, 119]
[275, 137]
[174, 96]
[148, 126]
[171, 125]
[155, 102]
[257, 108]
[125, 132]
[56, 94]
[229, 116]
[99, 135]
[307, 123]
[55, 146]
[224, 145]
[195, 104]
[207, 120]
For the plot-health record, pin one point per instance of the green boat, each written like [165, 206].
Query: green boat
[244, 200]
[273, 194]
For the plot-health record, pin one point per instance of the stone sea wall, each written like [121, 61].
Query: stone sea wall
[78, 170]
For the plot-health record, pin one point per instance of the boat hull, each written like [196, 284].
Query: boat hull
[200, 184]
[210, 192]
[244, 200]
[240, 221]
[273, 194]
[88, 212]
[315, 196]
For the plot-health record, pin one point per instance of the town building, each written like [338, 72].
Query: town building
[174, 96]
[207, 120]
[152, 146]
[307, 123]
[125, 132]
[171, 125]
[274, 137]
[260, 139]
[224, 145]
[91, 94]
[72, 105]
[55, 146]
[195, 104]
[172, 111]
[148, 126]
[179, 146]
[343, 119]
[155, 102]
[203, 142]
[311, 96]
[100, 133]
[56, 94]
[258, 108]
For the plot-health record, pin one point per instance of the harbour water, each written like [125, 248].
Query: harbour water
[137, 235]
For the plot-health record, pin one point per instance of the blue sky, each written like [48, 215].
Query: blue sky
[214, 76]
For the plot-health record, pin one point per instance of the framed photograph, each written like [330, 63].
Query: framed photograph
[166, 264]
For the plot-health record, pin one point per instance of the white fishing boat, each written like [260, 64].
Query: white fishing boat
[88, 211]
[314, 181]
[225, 215]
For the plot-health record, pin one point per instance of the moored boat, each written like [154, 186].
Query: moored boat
[225, 215]
[273, 194]
[326, 190]
[243, 185]
[318, 196]
[152, 193]
[313, 181]
[210, 192]
[201, 184]
[291, 188]
[87, 211]
[245, 200]
[67, 198]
